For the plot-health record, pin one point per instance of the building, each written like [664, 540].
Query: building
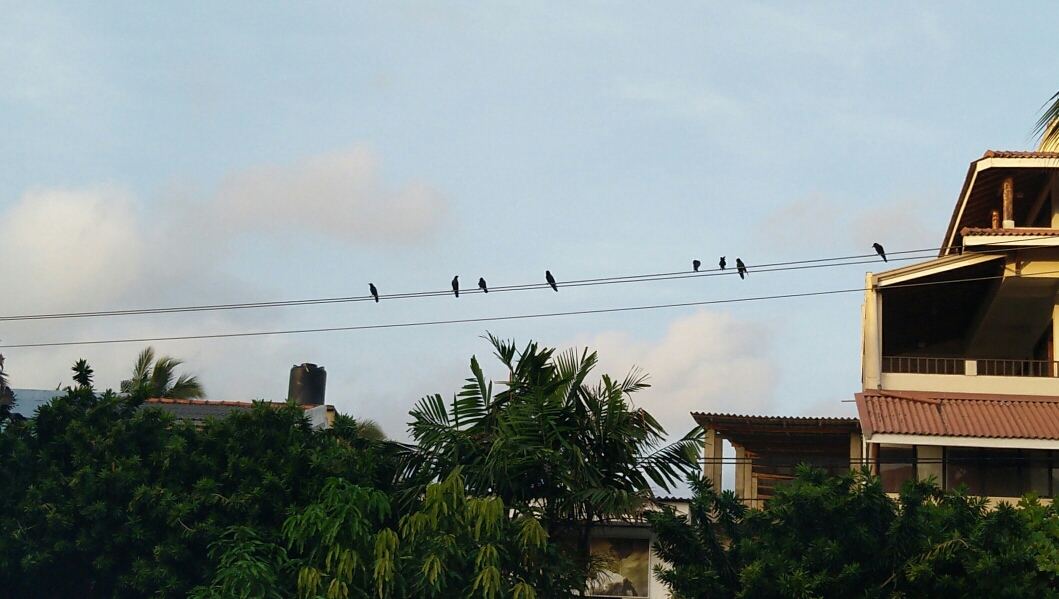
[960, 379]
[768, 449]
[307, 387]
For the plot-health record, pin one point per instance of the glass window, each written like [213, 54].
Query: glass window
[896, 465]
[1000, 472]
[1035, 472]
[961, 468]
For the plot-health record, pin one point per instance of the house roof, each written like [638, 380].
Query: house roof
[959, 415]
[777, 424]
[1031, 172]
[1017, 231]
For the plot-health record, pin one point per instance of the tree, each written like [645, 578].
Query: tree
[154, 378]
[824, 536]
[1047, 127]
[550, 444]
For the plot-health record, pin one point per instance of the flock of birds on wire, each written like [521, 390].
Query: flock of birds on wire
[695, 264]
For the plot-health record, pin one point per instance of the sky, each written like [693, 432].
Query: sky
[155, 155]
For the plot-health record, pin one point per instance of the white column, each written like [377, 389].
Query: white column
[856, 451]
[871, 355]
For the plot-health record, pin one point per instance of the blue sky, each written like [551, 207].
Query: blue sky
[155, 156]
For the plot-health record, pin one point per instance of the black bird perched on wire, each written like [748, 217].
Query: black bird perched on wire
[551, 280]
[742, 268]
[481, 284]
[456, 285]
[696, 264]
[722, 263]
[374, 292]
[880, 251]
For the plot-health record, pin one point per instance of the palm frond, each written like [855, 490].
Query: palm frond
[1047, 127]
[186, 387]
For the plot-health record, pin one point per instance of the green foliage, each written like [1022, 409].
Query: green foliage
[106, 499]
[453, 545]
[549, 444]
[154, 378]
[844, 537]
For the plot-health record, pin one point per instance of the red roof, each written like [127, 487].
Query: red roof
[959, 415]
[968, 231]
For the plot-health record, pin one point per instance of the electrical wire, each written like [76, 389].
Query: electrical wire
[499, 318]
[905, 255]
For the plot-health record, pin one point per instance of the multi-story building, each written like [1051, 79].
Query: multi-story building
[960, 378]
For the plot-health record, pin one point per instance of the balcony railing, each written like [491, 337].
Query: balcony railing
[918, 365]
[982, 367]
[1018, 368]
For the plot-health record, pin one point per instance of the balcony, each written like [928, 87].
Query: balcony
[1017, 377]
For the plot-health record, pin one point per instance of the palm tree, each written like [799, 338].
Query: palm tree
[572, 453]
[1047, 127]
[154, 378]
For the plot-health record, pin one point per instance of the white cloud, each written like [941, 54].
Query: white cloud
[63, 248]
[339, 194]
[706, 362]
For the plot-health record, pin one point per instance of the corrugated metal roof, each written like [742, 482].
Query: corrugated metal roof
[959, 415]
[809, 424]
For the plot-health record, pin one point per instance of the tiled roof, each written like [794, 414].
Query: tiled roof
[969, 231]
[959, 415]
[1016, 154]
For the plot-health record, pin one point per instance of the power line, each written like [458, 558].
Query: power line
[759, 268]
[500, 318]
[767, 267]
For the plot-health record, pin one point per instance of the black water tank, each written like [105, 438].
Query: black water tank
[307, 385]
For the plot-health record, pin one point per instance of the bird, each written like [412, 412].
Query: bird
[879, 250]
[722, 263]
[481, 284]
[696, 264]
[551, 280]
[742, 268]
[374, 292]
[456, 285]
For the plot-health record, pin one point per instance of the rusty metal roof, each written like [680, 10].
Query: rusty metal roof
[959, 415]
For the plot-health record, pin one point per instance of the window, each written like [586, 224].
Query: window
[896, 464]
[999, 472]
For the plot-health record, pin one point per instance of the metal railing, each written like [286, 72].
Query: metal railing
[983, 367]
[920, 365]
[1042, 368]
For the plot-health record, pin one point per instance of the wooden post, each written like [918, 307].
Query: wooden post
[1009, 202]
[996, 219]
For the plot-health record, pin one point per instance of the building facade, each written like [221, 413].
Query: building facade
[959, 372]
